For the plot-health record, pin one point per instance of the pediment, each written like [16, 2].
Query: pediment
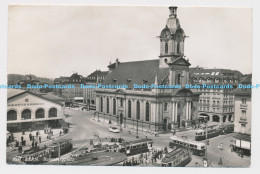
[180, 61]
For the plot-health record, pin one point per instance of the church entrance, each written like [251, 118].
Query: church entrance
[179, 120]
[165, 124]
[121, 119]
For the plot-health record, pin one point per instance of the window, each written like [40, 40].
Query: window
[138, 110]
[53, 112]
[11, 115]
[121, 102]
[108, 105]
[243, 101]
[101, 104]
[147, 112]
[129, 109]
[166, 48]
[165, 106]
[26, 114]
[39, 113]
[179, 79]
[114, 106]
[243, 112]
[178, 48]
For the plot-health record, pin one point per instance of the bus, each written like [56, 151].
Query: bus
[213, 131]
[177, 158]
[196, 148]
[136, 147]
[65, 145]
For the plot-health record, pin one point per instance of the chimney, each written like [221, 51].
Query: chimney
[173, 11]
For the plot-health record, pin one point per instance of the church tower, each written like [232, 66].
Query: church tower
[171, 40]
[172, 50]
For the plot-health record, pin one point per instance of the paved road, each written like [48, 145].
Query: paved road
[84, 127]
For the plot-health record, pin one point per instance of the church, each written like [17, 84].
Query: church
[152, 109]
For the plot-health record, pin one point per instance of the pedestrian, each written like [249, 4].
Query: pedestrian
[33, 144]
[21, 138]
[40, 139]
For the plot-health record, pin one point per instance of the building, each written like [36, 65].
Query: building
[152, 109]
[216, 104]
[26, 109]
[242, 120]
[74, 90]
[94, 79]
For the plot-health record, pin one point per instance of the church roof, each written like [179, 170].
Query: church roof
[137, 72]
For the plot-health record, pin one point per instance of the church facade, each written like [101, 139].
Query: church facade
[153, 109]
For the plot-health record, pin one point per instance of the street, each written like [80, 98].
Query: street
[84, 127]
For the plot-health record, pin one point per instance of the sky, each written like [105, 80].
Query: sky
[57, 40]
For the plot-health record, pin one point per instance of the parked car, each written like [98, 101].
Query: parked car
[114, 130]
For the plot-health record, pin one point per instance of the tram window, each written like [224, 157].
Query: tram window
[195, 146]
[138, 145]
[133, 147]
[143, 145]
[202, 147]
[127, 147]
[191, 145]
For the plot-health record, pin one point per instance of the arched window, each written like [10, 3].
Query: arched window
[147, 112]
[138, 110]
[114, 106]
[108, 105]
[53, 112]
[11, 115]
[101, 104]
[166, 48]
[92, 102]
[26, 114]
[39, 113]
[129, 109]
[178, 48]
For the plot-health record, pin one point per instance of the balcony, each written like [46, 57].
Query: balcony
[243, 120]
[243, 106]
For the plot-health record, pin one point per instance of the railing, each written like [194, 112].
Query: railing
[243, 105]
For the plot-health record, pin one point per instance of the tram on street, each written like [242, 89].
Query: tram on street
[64, 146]
[196, 148]
[177, 158]
[136, 146]
[213, 131]
[226, 128]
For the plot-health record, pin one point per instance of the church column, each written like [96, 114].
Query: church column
[173, 112]
[187, 110]
[176, 112]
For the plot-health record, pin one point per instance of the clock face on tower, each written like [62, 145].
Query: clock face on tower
[166, 36]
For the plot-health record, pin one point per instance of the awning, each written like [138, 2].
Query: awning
[244, 137]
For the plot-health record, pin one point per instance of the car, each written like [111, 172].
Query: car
[114, 130]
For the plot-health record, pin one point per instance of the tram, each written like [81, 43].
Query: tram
[64, 146]
[136, 146]
[226, 128]
[213, 131]
[42, 155]
[177, 158]
[196, 148]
